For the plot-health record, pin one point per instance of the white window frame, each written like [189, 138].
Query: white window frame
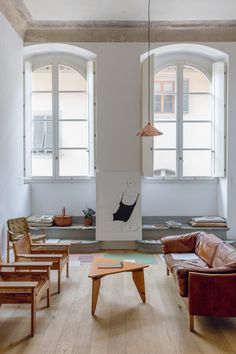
[148, 146]
[87, 69]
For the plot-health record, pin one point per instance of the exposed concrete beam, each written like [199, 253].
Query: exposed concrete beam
[131, 31]
[113, 31]
[17, 14]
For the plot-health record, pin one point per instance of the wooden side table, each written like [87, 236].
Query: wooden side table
[97, 273]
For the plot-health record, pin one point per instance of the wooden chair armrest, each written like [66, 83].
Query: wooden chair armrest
[50, 247]
[41, 257]
[33, 275]
[50, 251]
[18, 284]
[27, 265]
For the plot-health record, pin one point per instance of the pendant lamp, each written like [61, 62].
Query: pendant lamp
[149, 130]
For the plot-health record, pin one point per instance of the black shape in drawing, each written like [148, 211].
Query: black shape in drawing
[124, 211]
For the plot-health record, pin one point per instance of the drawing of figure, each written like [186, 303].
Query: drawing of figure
[124, 211]
[120, 208]
[124, 215]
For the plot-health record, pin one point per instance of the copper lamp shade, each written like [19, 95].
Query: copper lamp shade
[149, 130]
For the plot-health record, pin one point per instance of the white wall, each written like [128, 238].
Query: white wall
[184, 199]
[118, 149]
[50, 198]
[231, 134]
[14, 195]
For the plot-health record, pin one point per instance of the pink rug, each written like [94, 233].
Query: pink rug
[83, 258]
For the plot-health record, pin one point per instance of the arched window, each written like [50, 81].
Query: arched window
[59, 118]
[187, 105]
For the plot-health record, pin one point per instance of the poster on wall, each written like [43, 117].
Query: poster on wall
[118, 211]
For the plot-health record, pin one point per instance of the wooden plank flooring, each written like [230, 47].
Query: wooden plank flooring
[122, 325]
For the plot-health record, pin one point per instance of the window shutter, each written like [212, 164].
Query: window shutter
[218, 85]
[147, 142]
[27, 118]
[91, 110]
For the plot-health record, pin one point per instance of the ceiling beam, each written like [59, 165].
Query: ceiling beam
[130, 31]
[113, 31]
[17, 14]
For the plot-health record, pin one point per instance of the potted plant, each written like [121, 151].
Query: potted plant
[88, 216]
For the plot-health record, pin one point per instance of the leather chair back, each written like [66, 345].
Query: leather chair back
[17, 226]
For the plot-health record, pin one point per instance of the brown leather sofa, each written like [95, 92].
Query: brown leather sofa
[208, 282]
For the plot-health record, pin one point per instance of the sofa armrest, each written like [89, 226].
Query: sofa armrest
[181, 271]
[179, 243]
[212, 294]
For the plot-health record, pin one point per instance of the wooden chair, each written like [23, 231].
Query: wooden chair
[17, 228]
[26, 282]
[25, 250]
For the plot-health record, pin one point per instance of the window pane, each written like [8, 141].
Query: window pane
[168, 139]
[197, 81]
[198, 107]
[41, 104]
[186, 96]
[164, 93]
[169, 104]
[168, 86]
[73, 105]
[164, 163]
[157, 104]
[165, 80]
[197, 135]
[42, 79]
[41, 134]
[70, 79]
[197, 163]
[41, 164]
[73, 134]
[73, 163]
[157, 86]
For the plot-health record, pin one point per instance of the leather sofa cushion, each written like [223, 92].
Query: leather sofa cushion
[179, 243]
[206, 245]
[180, 270]
[225, 255]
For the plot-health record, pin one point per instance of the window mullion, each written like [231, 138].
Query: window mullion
[179, 122]
[55, 116]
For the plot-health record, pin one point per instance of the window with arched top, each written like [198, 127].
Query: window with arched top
[59, 116]
[187, 104]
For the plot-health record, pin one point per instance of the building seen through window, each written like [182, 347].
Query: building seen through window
[57, 129]
[182, 110]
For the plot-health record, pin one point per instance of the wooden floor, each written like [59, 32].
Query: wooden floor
[123, 324]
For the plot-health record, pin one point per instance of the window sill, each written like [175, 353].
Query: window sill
[87, 179]
[143, 179]
[185, 180]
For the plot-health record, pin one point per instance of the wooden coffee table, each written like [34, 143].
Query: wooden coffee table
[96, 274]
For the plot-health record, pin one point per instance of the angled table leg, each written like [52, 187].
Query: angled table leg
[96, 282]
[138, 278]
